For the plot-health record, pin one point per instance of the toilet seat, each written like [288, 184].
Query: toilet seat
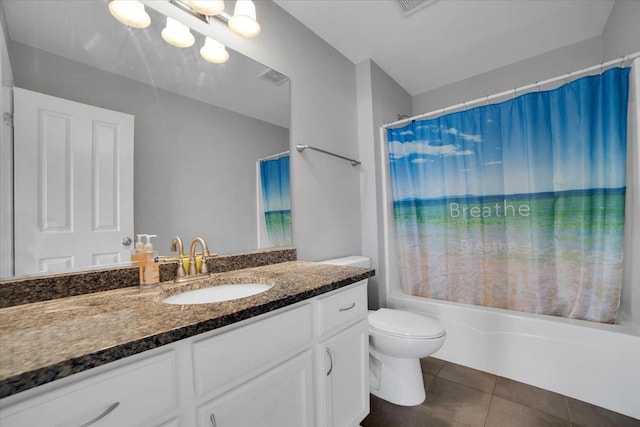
[403, 324]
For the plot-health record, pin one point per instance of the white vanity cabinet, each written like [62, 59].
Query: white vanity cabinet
[302, 365]
[344, 359]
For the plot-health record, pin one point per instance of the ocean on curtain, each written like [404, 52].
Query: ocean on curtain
[517, 205]
[274, 178]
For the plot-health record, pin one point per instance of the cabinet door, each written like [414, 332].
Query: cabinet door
[346, 376]
[280, 397]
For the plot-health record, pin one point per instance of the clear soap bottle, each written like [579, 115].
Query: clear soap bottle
[151, 271]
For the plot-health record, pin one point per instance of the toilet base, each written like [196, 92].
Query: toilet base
[396, 380]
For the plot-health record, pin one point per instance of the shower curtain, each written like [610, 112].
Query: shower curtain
[276, 200]
[517, 205]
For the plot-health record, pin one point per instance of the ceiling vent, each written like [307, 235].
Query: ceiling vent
[409, 7]
[274, 77]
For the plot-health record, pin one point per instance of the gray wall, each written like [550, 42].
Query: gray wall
[538, 68]
[325, 191]
[195, 164]
[621, 35]
[380, 100]
[6, 156]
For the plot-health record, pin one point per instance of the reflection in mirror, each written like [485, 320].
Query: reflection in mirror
[209, 140]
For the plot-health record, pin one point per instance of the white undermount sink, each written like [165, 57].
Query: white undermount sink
[217, 293]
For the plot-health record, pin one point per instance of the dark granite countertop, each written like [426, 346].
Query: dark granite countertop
[48, 340]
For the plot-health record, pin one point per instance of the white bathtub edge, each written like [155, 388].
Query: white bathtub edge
[599, 364]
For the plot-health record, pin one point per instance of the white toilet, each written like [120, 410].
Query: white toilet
[397, 341]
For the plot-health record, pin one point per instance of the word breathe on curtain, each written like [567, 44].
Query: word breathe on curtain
[274, 178]
[517, 205]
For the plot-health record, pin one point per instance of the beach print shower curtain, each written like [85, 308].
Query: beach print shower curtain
[517, 205]
[276, 200]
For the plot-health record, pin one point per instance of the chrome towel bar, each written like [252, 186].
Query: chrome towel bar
[301, 148]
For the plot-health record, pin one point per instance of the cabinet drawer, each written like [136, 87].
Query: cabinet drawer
[234, 356]
[128, 395]
[342, 308]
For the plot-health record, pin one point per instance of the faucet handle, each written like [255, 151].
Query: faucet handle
[180, 272]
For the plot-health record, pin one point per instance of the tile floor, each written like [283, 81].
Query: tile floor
[461, 396]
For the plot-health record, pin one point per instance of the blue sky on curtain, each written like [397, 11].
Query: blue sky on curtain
[517, 205]
[276, 197]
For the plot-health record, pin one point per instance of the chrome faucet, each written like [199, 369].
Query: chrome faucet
[192, 257]
[176, 245]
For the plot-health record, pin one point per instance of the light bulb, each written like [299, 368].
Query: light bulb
[243, 21]
[207, 7]
[214, 51]
[177, 34]
[130, 12]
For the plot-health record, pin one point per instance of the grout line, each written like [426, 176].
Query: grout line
[486, 416]
[566, 401]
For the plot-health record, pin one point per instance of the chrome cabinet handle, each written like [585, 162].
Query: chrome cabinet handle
[109, 410]
[330, 360]
[213, 420]
[353, 304]
[126, 241]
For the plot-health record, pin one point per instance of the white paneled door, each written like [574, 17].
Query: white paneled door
[73, 195]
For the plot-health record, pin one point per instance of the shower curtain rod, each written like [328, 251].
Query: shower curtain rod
[274, 156]
[601, 66]
[301, 148]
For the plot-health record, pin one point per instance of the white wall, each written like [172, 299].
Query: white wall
[380, 101]
[194, 163]
[325, 191]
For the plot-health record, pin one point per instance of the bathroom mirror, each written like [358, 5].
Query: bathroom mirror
[200, 128]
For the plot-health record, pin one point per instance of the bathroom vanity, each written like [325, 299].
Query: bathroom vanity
[295, 355]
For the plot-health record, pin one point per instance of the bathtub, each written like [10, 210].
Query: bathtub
[588, 361]
[596, 363]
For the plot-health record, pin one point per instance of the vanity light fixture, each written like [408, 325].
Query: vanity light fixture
[214, 51]
[177, 34]
[243, 22]
[207, 7]
[130, 12]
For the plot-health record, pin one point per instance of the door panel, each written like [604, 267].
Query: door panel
[73, 184]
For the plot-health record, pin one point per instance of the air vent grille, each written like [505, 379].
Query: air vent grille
[408, 7]
[274, 77]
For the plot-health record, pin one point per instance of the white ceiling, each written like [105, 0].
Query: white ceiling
[449, 40]
[85, 31]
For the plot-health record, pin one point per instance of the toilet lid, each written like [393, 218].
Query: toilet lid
[404, 324]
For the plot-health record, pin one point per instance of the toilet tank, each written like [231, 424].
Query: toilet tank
[350, 261]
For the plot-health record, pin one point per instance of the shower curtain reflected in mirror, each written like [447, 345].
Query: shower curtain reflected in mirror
[275, 201]
[517, 205]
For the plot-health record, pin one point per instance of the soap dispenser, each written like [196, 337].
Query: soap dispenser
[151, 271]
[137, 256]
